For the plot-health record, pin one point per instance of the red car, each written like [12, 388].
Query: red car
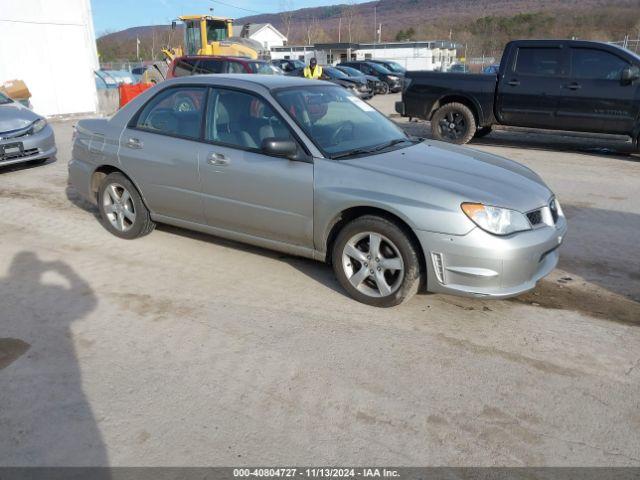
[204, 64]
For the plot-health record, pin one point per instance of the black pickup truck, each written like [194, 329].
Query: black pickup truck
[553, 84]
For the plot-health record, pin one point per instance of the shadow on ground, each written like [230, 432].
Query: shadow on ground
[45, 417]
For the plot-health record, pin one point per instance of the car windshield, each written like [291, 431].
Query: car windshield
[335, 73]
[4, 99]
[262, 68]
[338, 122]
[394, 66]
[298, 64]
[352, 72]
[379, 68]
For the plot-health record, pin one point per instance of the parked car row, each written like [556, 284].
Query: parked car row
[382, 76]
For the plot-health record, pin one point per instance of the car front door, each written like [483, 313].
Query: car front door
[530, 88]
[595, 98]
[244, 190]
[159, 150]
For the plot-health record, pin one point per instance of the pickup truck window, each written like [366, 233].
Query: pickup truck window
[592, 64]
[542, 61]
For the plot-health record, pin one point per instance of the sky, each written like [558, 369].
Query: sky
[114, 15]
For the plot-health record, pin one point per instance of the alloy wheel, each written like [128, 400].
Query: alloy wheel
[118, 207]
[453, 125]
[373, 264]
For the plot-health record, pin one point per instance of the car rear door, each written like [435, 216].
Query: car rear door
[244, 190]
[529, 90]
[159, 150]
[595, 98]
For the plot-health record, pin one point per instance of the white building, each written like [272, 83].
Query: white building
[427, 55]
[265, 33]
[51, 46]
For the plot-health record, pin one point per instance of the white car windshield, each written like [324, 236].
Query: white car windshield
[338, 122]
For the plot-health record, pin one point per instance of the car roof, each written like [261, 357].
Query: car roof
[220, 57]
[270, 82]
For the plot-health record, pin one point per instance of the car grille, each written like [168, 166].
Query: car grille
[544, 216]
[535, 217]
[21, 132]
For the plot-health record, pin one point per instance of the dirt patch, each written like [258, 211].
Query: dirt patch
[587, 299]
[10, 350]
[157, 308]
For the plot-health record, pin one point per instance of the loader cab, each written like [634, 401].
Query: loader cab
[200, 31]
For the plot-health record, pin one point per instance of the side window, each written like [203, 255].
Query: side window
[241, 120]
[235, 67]
[183, 67]
[209, 66]
[545, 62]
[594, 64]
[174, 111]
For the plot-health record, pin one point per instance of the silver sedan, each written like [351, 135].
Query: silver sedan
[309, 169]
[24, 135]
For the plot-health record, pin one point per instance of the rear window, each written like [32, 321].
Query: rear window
[183, 67]
[545, 62]
[209, 66]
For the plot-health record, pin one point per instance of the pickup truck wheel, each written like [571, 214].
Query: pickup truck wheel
[453, 123]
[482, 132]
[376, 262]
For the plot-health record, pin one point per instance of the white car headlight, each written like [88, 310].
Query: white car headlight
[393, 78]
[38, 125]
[496, 220]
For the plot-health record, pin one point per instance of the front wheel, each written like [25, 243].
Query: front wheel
[384, 88]
[376, 262]
[122, 210]
[453, 123]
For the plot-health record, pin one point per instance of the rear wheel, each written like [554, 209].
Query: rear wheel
[384, 88]
[454, 123]
[376, 262]
[122, 210]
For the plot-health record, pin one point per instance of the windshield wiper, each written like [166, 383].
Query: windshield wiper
[349, 153]
[390, 144]
[364, 151]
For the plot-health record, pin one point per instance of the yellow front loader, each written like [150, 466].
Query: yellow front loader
[209, 35]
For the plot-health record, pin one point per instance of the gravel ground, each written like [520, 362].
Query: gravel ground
[183, 349]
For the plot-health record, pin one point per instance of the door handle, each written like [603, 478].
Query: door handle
[134, 143]
[574, 86]
[217, 159]
[514, 82]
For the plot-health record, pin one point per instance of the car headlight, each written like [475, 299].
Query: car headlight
[393, 78]
[496, 220]
[38, 125]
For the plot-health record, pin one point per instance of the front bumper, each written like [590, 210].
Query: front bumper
[34, 147]
[479, 264]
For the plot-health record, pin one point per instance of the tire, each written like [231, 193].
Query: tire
[453, 123]
[483, 132]
[384, 89]
[353, 261]
[122, 211]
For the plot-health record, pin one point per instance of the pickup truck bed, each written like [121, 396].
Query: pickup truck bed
[552, 84]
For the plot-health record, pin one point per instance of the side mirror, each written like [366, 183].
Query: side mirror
[629, 74]
[280, 147]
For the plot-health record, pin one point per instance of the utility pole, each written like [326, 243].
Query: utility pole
[339, 28]
[375, 22]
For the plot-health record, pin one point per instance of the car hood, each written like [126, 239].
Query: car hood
[371, 78]
[470, 175]
[14, 116]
